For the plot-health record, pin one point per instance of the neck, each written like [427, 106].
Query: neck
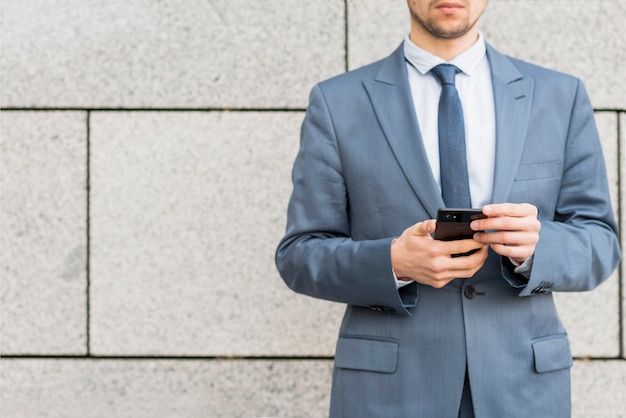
[446, 49]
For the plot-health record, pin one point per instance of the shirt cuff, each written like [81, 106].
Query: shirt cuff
[399, 283]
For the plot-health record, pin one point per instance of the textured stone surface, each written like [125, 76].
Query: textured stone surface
[186, 211]
[375, 31]
[43, 240]
[164, 388]
[165, 54]
[599, 389]
[580, 37]
[592, 318]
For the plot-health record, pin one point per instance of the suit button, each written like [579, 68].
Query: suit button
[470, 292]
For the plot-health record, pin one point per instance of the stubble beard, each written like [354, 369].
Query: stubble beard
[433, 27]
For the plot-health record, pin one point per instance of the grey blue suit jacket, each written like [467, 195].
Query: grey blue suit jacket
[362, 176]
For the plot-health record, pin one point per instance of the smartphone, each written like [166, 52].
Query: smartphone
[453, 224]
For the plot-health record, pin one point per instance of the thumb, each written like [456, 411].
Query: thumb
[424, 228]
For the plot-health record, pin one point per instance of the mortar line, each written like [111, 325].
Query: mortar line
[88, 239]
[161, 358]
[216, 358]
[346, 33]
[195, 109]
[153, 109]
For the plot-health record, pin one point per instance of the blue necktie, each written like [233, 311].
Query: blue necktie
[452, 160]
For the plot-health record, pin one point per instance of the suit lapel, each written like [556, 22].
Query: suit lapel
[390, 95]
[513, 99]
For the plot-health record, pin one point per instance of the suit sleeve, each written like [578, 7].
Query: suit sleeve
[317, 255]
[578, 246]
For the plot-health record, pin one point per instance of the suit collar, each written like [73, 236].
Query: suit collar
[501, 66]
[423, 61]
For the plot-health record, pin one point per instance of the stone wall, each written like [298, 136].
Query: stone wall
[146, 149]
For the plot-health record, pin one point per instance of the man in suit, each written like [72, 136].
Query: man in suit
[426, 334]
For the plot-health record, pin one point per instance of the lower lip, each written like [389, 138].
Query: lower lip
[449, 10]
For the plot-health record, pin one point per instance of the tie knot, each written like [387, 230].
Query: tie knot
[444, 73]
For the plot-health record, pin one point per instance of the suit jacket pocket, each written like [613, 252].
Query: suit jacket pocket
[552, 353]
[538, 171]
[362, 353]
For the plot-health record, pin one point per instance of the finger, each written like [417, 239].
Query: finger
[515, 252]
[462, 246]
[443, 269]
[467, 265]
[507, 223]
[510, 209]
[508, 237]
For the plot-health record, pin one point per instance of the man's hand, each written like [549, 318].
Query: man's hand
[416, 256]
[515, 230]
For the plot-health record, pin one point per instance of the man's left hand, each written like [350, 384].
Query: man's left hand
[513, 230]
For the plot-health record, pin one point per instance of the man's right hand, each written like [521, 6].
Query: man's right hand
[416, 256]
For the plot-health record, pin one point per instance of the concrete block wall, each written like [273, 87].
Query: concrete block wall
[146, 149]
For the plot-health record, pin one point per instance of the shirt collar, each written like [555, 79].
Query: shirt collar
[424, 61]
